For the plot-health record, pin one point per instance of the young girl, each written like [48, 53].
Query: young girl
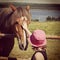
[38, 41]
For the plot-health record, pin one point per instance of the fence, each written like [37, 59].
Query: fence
[9, 35]
[47, 36]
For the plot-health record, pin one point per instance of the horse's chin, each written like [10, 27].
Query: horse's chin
[20, 44]
[23, 45]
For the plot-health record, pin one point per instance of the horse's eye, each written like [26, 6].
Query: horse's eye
[16, 22]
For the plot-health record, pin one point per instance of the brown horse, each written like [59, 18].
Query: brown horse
[11, 20]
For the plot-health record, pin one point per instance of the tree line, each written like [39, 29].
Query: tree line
[49, 18]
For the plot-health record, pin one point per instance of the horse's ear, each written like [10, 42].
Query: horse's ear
[28, 7]
[12, 7]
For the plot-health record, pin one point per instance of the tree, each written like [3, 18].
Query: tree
[48, 18]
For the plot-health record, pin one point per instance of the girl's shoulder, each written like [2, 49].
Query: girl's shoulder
[39, 55]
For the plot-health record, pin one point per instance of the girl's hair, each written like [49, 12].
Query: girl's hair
[42, 47]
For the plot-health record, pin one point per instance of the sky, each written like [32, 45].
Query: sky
[34, 1]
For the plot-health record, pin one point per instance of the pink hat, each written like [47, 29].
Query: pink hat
[38, 38]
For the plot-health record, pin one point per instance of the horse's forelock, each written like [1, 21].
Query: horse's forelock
[24, 12]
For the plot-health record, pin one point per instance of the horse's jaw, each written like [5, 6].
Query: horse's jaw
[23, 45]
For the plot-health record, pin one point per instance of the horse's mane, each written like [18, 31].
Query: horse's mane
[8, 16]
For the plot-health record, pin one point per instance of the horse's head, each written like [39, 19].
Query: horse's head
[19, 16]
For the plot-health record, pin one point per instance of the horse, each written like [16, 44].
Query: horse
[11, 21]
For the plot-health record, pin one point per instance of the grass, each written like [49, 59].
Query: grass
[52, 28]
[53, 46]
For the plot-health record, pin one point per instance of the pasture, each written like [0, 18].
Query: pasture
[53, 46]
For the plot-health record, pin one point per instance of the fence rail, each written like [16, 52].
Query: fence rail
[13, 58]
[47, 36]
[52, 37]
[2, 35]
[7, 58]
[3, 58]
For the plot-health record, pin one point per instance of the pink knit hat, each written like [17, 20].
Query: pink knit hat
[38, 38]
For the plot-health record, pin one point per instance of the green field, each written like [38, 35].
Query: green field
[53, 46]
